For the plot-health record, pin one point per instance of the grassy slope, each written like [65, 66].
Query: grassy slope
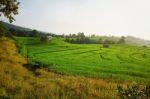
[119, 61]
[16, 82]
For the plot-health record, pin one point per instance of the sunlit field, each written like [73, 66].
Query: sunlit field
[16, 82]
[74, 49]
[121, 62]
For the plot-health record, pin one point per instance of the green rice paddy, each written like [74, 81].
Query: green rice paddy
[124, 62]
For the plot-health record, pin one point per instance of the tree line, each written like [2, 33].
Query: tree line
[80, 38]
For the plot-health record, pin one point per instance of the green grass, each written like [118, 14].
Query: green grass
[124, 62]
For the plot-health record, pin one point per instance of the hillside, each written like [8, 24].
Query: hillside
[119, 61]
[16, 82]
[137, 41]
[129, 39]
[9, 26]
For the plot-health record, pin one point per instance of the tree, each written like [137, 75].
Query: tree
[8, 8]
[35, 33]
[67, 39]
[72, 41]
[81, 38]
[73, 35]
[100, 40]
[122, 40]
[44, 39]
[106, 44]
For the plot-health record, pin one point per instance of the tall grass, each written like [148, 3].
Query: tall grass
[16, 82]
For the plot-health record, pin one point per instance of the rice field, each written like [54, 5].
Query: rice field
[121, 62]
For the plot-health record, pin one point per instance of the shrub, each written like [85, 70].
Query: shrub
[106, 44]
[136, 91]
[44, 38]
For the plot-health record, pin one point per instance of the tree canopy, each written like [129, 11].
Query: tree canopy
[122, 40]
[9, 8]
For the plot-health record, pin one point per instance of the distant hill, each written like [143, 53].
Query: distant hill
[137, 41]
[129, 39]
[26, 32]
[9, 26]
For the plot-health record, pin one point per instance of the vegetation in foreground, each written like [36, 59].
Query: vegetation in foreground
[16, 82]
[135, 91]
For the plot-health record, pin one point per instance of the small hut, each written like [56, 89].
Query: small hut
[106, 44]
[49, 38]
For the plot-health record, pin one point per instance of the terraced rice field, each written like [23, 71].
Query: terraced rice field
[123, 62]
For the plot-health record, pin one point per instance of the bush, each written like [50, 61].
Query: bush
[106, 45]
[134, 91]
[44, 39]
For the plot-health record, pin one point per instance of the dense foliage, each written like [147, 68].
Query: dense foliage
[80, 38]
[9, 8]
[135, 91]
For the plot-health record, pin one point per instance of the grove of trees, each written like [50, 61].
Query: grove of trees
[122, 40]
[80, 38]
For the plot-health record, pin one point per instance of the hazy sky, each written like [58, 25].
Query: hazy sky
[103, 17]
